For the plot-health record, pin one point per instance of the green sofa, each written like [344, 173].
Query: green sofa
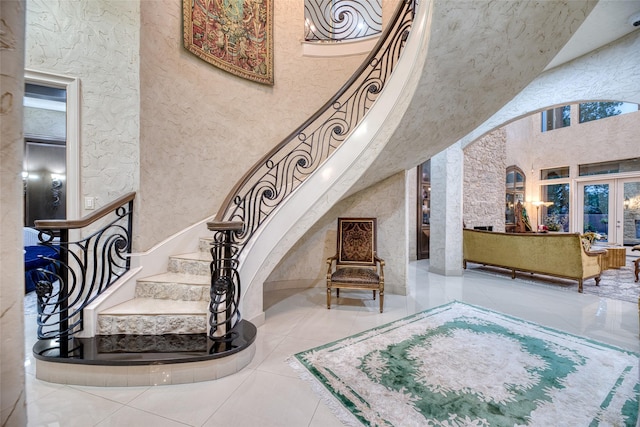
[552, 254]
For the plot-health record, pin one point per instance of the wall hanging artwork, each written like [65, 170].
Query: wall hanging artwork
[234, 35]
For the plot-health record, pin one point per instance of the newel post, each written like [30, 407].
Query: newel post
[224, 313]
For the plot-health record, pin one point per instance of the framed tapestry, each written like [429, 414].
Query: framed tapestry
[234, 35]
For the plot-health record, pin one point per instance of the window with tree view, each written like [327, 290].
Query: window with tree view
[589, 111]
[556, 207]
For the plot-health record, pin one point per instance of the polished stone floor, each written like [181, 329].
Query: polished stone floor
[268, 392]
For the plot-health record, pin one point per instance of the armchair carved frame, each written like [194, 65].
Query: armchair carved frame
[356, 264]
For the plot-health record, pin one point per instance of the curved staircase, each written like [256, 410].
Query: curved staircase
[175, 302]
[158, 337]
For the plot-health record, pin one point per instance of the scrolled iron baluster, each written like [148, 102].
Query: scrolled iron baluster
[224, 312]
[83, 270]
[327, 20]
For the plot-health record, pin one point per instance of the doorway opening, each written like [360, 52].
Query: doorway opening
[51, 163]
[44, 167]
[424, 210]
[611, 208]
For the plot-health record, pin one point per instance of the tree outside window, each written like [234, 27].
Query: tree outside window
[556, 217]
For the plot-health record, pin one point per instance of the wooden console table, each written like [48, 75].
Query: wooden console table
[615, 257]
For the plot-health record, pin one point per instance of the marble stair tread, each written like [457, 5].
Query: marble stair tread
[194, 256]
[178, 278]
[205, 244]
[195, 263]
[175, 286]
[151, 306]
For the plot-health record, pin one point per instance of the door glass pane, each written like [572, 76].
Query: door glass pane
[596, 210]
[509, 217]
[555, 211]
[631, 213]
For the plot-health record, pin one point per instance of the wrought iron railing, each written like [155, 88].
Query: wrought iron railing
[281, 171]
[225, 282]
[81, 269]
[330, 20]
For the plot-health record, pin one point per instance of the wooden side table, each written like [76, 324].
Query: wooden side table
[615, 257]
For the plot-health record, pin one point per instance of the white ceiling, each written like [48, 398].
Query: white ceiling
[608, 21]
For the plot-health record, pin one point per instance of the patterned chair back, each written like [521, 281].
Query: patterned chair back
[356, 241]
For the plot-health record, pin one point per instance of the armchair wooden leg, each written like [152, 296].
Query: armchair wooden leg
[637, 269]
[374, 295]
[328, 298]
[381, 300]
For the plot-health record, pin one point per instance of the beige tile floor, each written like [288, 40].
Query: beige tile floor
[268, 392]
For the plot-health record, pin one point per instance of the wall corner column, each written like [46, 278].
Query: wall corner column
[445, 253]
[12, 378]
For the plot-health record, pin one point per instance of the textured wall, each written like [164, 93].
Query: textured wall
[305, 264]
[613, 138]
[12, 389]
[484, 187]
[97, 42]
[194, 117]
[481, 54]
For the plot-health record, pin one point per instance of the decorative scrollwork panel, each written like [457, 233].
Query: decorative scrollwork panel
[336, 20]
[283, 170]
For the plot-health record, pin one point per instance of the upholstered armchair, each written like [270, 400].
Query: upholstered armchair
[356, 265]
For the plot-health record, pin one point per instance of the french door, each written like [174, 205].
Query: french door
[610, 208]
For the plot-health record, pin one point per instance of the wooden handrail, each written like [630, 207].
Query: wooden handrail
[65, 224]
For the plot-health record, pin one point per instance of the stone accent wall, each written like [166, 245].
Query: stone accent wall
[484, 187]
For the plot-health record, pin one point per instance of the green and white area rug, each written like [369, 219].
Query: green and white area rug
[461, 365]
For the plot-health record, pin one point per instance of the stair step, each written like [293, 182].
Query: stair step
[154, 317]
[205, 244]
[174, 286]
[195, 263]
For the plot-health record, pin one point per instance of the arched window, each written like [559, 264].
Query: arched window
[338, 20]
[515, 187]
